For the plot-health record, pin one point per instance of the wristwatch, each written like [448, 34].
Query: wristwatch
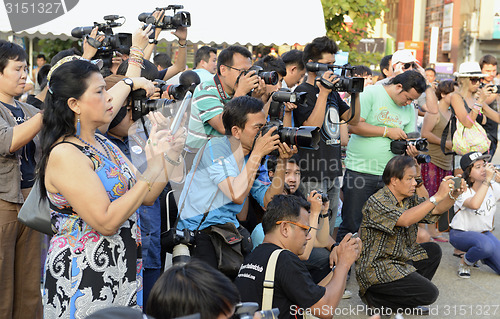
[433, 200]
[129, 82]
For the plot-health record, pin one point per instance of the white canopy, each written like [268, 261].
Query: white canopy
[221, 21]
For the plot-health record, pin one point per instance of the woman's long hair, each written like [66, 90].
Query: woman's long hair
[69, 80]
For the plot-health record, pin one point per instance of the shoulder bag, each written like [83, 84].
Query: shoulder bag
[35, 212]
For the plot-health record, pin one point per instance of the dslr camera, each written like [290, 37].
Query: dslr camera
[112, 42]
[346, 83]
[178, 243]
[165, 22]
[141, 105]
[324, 196]
[246, 310]
[494, 88]
[399, 147]
[302, 136]
[270, 78]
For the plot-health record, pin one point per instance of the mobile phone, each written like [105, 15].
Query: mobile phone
[176, 122]
[458, 181]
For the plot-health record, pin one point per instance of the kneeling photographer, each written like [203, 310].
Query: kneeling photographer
[222, 176]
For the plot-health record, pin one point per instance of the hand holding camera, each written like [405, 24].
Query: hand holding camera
[266, 142]
[140, 38]
[91, 43]
[315, 199]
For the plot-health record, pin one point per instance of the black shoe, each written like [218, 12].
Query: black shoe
[421, 311]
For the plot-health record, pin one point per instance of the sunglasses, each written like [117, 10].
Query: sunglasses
[412, 65]
[474, 80]
[307, 229]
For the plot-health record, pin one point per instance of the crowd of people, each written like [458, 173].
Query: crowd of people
[263, 217]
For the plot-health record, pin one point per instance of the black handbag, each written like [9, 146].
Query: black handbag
[35, 212]
[231, 246]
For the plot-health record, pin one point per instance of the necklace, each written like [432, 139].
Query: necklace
[95, 149]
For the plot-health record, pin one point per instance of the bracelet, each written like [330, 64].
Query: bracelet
[149, 185]
[334, 245]
[451, 196]
[171, 161]
[326, 215]
[182, 45]
[386, 130]
[487, 183]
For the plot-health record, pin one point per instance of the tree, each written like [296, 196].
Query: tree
[364, 14]
[51, 47]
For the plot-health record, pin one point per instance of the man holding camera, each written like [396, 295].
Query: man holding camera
[293, 291]
[323, 108]
[488, 64]
[224, 174]
[232, 80]
[394, 271]
[386, 114]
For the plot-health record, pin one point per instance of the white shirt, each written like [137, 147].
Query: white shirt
[476, 220]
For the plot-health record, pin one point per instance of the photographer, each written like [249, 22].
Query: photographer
[286, 226]
[394, 271]
[323, 108]
[205, 62]
[488, 64]
[386, 114]
[232, 80]
[224, 174]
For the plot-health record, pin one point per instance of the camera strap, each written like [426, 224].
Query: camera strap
[220, 89]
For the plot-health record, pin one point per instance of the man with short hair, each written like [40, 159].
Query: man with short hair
[232, 80]
[488, 64]
[394, 271]
[205, 62]
[295, 68]
[162, 61]
[286, 226]
[225, 174]
[430, 74]
[387, 114]
[323, 108]
[386, 66]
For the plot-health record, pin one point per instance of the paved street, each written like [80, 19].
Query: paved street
[477, 297]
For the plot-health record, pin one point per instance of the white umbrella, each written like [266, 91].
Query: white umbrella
[222, 21]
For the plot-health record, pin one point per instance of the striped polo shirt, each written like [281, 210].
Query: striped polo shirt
[206, 104]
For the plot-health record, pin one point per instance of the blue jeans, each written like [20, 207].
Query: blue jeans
[357, 188]
[478, 246]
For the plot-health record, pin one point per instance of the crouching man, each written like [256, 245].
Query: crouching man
[393, 270]
[286, 228]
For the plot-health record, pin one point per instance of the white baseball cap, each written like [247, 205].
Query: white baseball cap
[403, 56]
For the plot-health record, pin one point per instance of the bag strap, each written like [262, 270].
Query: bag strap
[268, 292]
[451, 125]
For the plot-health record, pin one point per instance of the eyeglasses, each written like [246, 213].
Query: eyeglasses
[412, 65]
[474, 80]
[307, 229]
[239, 70]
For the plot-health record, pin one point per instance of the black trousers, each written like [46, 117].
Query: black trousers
[411, 291]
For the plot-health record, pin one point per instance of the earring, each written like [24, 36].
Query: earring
[78, 127]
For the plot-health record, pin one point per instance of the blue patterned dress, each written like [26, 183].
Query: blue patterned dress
[86, 271]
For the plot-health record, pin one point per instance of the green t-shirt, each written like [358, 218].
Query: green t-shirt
[371, 154]
[206, 104]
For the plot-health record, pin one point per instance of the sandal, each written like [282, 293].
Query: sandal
[460, 255]
[440, 239]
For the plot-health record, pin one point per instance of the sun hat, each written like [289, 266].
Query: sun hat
[471, 157]
[403, 56]
[469, 70]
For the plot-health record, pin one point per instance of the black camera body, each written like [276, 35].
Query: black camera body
[174, 237]
[495, 88]
[178, 19]
[284, 95]
[141, 105]
[246, 310]
[302, 136]
[346, 83]
[187, 82]
[112, 42]
[399, 147]
[270, 77]
[324, 196]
